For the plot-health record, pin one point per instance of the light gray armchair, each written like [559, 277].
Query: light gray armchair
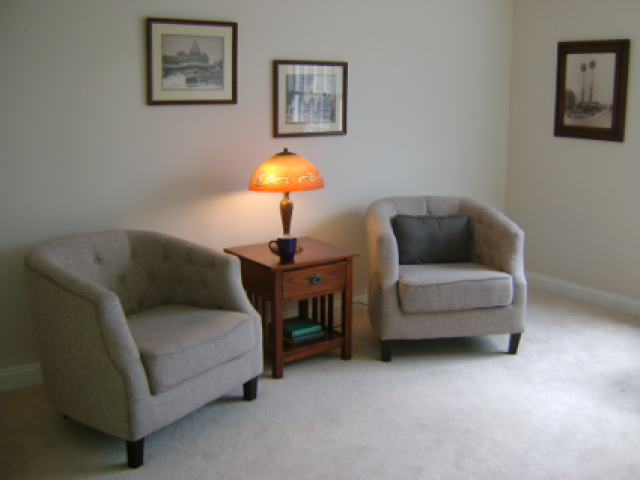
[137, 329]
[480, 291]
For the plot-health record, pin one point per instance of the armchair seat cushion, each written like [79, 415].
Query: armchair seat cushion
[445, 287]
[178, 342]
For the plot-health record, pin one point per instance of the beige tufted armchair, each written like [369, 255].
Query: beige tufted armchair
[137, 329]
[483, 294]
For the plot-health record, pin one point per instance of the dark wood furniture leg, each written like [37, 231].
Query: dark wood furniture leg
[265, 320]
[330, 308]
[277, 361]
[135, 453]
[347, 311]
[385, 350]
[514, 341]
[250, 389]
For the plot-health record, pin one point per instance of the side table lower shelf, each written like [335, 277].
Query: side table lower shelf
[331, 341]
[335, 336]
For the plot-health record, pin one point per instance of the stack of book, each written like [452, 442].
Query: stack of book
[302, 331]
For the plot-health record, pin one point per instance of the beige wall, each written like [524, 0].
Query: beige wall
[80, 150]
[578, 200]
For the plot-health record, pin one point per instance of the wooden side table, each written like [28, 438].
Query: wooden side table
[311, 279]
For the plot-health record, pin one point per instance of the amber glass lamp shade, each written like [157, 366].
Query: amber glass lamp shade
[286, 172]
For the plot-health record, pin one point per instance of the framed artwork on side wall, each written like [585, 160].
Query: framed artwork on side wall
[309, 98]
[191, 61]
[591, 89]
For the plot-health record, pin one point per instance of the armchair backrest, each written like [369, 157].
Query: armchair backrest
[496, 240]
[144, 269]
[420, 205]
[381, 212]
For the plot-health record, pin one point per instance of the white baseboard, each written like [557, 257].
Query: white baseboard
[360, 303]
[20, 377]
[30, 374]
[585, 294]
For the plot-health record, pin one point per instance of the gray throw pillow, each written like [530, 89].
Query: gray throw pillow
[432, 239]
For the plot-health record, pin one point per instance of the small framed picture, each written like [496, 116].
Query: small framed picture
[309, 98]
[591, 89]
[191, 61]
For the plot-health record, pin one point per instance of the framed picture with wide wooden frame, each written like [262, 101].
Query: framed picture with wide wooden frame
[591, 89]
[191, 61]
[309, 98]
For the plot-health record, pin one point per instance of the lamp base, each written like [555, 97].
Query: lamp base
[286, 212]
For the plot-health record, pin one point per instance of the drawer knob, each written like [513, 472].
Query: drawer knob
[313, 279]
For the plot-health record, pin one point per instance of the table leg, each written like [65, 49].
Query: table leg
[264, 312]
[276, 339]
[323, 311]
[347, 311]
[330, 326]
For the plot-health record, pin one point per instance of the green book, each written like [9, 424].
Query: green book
[304, 338]
[301, 327]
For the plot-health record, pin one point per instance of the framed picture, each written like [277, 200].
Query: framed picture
[309, 98]
[191, 61]
[591, 89]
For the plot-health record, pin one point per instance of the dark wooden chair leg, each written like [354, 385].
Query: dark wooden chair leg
[250, 389]
[514, 341]
[135, 453]
[385, 350]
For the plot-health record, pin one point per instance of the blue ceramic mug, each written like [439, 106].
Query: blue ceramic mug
[285, 247]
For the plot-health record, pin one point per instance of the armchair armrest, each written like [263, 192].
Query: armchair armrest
[52, 287]
[89, 358]
[384, 258]
[227, 289]
[499, 242]
[384, 267]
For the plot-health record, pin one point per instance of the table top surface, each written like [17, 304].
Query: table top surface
[313, 251]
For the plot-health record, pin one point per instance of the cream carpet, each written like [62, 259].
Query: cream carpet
[566, 407]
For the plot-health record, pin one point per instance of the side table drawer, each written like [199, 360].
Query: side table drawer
[314, 279]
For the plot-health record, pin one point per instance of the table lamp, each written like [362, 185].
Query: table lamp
[286, 172]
